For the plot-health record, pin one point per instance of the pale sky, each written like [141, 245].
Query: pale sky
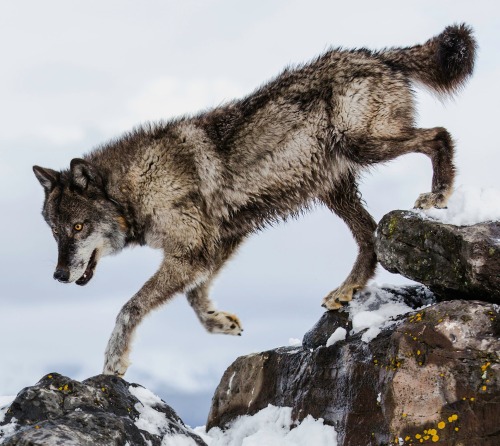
[77, 73]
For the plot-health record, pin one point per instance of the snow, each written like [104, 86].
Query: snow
[373, 310]
[294, 342]
[468, 205]
[271, 427]
[338, 335]
[149, 419]
[10, 428]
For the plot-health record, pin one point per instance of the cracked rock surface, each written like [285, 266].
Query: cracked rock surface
[100, 411]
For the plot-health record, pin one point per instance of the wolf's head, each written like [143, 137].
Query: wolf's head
[85, 222]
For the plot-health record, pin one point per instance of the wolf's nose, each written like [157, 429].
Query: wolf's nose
[61, 274]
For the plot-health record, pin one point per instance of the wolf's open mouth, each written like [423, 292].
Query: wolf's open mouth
[89, 272]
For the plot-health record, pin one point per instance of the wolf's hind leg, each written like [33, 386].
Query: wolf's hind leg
[213, 320]
[345, 201]
[439, 149]
[436, 143]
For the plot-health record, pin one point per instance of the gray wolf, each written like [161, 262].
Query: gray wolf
[196, 187]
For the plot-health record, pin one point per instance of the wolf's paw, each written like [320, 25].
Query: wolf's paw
[430, 200]
[222, 322]
[115, 366]
[334, 299]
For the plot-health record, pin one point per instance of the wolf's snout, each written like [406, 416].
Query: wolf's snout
[61, 274]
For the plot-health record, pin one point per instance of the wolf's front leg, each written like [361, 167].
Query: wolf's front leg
[213, 320]
[170, 279]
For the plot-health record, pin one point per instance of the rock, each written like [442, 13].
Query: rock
[433, 376]
[414, 296]
[328, 323]
[100, 411]
[453, 261]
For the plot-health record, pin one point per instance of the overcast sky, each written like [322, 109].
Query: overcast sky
[76, 73]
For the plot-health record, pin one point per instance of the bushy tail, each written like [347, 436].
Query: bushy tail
[443, 63]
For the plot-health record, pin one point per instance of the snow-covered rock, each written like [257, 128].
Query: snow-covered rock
[423, 372]
[100, 411]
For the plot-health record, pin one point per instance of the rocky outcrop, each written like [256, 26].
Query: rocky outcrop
[100, 411]
[453, 261]
[405, 366]
[433, 377]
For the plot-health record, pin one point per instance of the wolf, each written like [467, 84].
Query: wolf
[197, 186]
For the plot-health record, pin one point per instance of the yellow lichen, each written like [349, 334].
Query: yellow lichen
[441, 425]
[435, 438]
[418, 436]
[485, 366]
[457, 429]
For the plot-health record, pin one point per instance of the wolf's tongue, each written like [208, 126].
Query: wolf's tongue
[89, 271]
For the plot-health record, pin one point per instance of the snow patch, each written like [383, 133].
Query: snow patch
[468, 205]
[5, 402]
[373, 310]
[271, 427]
[155, 422]
[231, 383]
[150, 420]
[338, 335]
[9, 429]
[294, 342]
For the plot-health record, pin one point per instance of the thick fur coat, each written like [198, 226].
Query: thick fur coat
[196, 187]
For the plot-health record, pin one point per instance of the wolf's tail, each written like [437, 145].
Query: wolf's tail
[443, 63]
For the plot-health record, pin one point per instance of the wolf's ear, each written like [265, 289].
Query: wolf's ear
[47, 177]
[83, 173]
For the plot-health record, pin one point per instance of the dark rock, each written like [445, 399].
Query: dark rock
[100, 411]
[440, 364]
[328, 323]
[453, 261]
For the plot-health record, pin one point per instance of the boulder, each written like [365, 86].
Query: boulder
[453, 261]
[100, 411]
[433, 376]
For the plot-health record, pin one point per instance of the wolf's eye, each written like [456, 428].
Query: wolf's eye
[78, 227]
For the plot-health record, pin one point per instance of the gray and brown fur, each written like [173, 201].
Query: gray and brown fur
[196, 187]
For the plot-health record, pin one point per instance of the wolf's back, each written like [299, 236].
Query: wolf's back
[443, 63]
